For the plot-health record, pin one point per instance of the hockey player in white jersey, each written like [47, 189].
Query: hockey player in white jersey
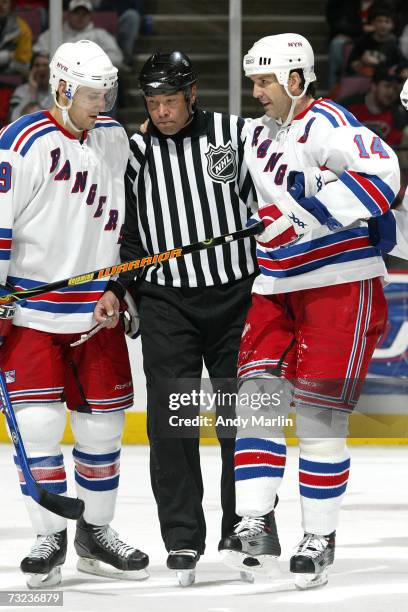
[318, 307]
[61, 209]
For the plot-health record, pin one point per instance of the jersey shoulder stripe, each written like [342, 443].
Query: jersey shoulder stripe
[105, 121]
[335, 114]
[22, 133]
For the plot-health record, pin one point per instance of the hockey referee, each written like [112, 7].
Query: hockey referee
[186, 181]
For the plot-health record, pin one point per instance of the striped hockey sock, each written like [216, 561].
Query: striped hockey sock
[322, 486]
[97, 481]
[259, 468]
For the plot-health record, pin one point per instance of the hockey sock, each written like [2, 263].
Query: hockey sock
[97, 460]
[322, 483]
[259, 468]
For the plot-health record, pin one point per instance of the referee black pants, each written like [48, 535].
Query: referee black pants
[181, 328]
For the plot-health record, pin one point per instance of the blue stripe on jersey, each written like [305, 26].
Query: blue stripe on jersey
[6, 232]
[383, 187]
[5, 254]
[349, 116]
[11, 133]
[306, 247]
[328, 116]
[28, 283]
[64, 308]
[365, 253]
[360, 193]
[30, 141]
[107, 124]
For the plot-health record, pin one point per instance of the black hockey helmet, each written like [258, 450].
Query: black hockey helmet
[166, 73]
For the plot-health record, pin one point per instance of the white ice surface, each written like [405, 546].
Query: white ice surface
[370, 572]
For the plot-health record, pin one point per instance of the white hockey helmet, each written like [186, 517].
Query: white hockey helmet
[404, 95]
[83, 64]
[279, 54]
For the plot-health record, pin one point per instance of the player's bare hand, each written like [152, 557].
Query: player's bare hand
[107, 307]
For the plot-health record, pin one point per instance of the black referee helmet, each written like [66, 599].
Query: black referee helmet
[166, 73]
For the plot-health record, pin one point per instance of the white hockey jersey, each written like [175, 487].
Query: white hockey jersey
[335, 248]
[62, 205]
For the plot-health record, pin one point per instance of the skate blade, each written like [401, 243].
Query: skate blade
[310, 581]
[267, 564]
[185, 578]
[43, 581]
[98, 568]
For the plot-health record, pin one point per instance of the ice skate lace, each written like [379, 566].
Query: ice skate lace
[184, 551]
[250, 526]
[109, 538]
[44, 546]
[312, 545]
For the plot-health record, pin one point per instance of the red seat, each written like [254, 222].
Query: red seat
[33, 18]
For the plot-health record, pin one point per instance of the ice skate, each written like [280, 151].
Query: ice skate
[102, 553]
[43, 564]
[253, 547]
[183, 562]
[314, 554]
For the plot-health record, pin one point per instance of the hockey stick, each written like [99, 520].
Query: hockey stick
[68, 507]
[133, 264]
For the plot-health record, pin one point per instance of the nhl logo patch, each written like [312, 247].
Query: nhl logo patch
[221, 163]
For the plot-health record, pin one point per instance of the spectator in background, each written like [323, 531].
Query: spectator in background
[35, 92]
[378, 109]
[344, 20]
[38, 5]
[79, 26]
[403, 42]
[15, 41]
[376, 48]
[130, 16]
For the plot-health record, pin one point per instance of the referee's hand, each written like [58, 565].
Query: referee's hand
[107, 306]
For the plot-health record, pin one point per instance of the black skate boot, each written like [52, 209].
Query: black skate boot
[314, 554]
[183, 561]
[43, 564]
[253, 547]
[100, 544]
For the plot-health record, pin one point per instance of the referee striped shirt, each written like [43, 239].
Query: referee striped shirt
[187, 188]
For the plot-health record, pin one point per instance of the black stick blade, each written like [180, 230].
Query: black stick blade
[67, 507]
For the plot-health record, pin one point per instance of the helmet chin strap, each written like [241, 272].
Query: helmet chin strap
[294, 99]
[68, 121]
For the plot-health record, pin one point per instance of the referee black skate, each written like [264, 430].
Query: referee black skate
[186, 182]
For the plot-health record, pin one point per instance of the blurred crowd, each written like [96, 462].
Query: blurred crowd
[368, 64]
[367, 54]
[25, 44]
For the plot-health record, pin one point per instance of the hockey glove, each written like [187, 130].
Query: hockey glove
[305, 210]
[7, 312]
[130, 317]
[310, 181]
[278, 231]
[382, 231]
